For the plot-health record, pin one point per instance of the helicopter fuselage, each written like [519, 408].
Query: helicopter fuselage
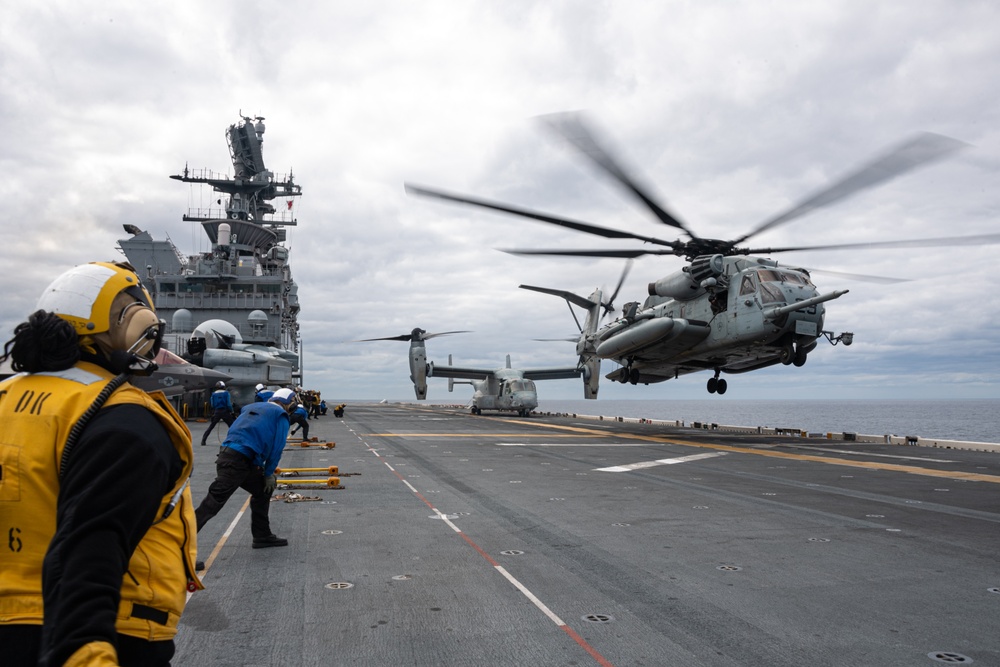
[505, 391]
[727, 314]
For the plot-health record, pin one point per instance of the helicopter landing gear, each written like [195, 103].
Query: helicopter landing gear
[792, 352]
[717, 385]
[787, 353]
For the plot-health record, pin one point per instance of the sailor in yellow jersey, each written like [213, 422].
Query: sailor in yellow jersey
[97, 525]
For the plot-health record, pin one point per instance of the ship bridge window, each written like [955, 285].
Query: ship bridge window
[191, 287]
[168, 287]
[269, 288]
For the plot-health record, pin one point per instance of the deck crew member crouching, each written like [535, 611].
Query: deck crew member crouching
[247, 460]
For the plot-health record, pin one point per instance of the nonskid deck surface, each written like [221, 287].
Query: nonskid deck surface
[556, 541]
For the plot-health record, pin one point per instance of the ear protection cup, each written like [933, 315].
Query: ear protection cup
[136, 321]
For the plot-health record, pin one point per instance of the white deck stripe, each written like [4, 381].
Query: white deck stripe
[531, 596]
[659, 462]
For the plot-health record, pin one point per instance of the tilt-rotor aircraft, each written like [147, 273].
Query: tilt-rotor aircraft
[727, 310]
[502, 389]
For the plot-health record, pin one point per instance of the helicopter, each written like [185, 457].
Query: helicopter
[728, 310]
[502, 389]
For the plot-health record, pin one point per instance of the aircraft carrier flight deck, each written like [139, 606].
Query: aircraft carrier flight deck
[557, 541]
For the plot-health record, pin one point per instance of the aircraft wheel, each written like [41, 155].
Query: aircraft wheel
[722, 386]
[633, 376]
[787, 354]
[713, 385]
[800, 357]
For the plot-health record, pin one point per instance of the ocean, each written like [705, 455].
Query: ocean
[959, 419]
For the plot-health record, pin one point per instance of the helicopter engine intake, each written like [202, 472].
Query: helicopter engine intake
[704, 271]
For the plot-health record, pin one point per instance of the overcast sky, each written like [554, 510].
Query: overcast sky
[730, 112]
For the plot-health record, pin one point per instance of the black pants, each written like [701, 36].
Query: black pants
[22, 644]
[236, 471]
[221, 415]
[299, 420]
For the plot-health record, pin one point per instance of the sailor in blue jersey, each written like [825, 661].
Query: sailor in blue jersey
[263, 395]
[247, 460]
[299, 416]
[222, 409]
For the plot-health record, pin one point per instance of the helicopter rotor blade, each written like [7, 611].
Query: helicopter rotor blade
[587, 228]
[410, 336]
[861, 277]
[979, 239]
[609, 305]
[920, 150]
[443, 333]
[572, 127]
[405, 337]
[622, 254]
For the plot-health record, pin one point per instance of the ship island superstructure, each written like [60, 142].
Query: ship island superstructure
[233, 309]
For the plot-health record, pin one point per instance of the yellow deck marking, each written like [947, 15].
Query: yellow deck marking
[868, 465]
[478, 435]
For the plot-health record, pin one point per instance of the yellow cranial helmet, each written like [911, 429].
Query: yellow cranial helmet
[107, 304]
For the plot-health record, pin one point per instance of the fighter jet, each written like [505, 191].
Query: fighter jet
[175, 376]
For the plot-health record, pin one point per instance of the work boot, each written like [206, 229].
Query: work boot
[269, 541]
[199, 566]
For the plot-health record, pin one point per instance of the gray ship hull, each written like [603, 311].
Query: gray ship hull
[558, 541]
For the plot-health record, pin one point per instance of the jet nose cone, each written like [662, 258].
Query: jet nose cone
[213, 376]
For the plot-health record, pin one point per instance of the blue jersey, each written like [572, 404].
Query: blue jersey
[260, 433]
[263, 396]
[221, 401]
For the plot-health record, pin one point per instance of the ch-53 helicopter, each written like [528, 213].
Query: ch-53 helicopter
[726, 311]
[501, 389]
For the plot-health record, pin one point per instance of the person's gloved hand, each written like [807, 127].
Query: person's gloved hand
[270, 483]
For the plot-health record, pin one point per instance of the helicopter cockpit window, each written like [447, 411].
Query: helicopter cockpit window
[797, 278]
[769, 276]
[746, 285]
[771, 293]
[522, 385]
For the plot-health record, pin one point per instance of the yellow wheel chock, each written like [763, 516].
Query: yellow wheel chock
[295, 472]
[308, 443]
[329, 482]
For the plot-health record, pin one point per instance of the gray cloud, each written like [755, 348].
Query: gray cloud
[730, 112]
